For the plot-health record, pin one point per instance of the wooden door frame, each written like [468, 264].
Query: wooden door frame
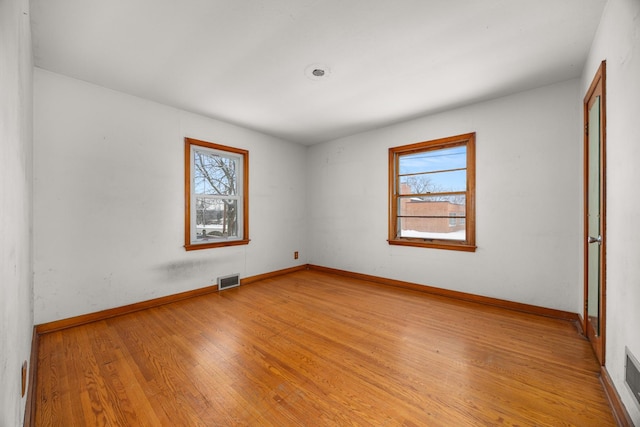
[598, 86]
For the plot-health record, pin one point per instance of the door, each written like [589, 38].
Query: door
[594, 214]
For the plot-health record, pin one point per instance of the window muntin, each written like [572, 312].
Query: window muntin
[432, 193]
[216, 183]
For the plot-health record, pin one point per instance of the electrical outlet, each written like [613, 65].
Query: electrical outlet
[295, 255]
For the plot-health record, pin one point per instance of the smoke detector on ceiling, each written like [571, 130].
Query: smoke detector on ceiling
[317, 72]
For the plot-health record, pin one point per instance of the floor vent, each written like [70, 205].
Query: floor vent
[230, 281]
[632, 375]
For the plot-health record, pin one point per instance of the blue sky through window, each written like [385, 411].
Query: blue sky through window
[429, 164]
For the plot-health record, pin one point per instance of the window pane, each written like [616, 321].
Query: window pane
[432, 217]
[430, 228]
[433, 160]
[214, 174]
[438, 182]
[216, 218]
[432, 205]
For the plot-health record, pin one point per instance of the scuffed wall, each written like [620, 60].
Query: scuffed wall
[16, 305]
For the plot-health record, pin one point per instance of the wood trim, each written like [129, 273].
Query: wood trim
[143, 305]
[603, 211]
[578, 324]
[187, 192]
[510, 305]
[118, 311]
[470, 201]
[189, 247]
[393, 201]
[70, 322]
[245, 196]
[597, 87]
[188, 142]
[619, 411]
[420, 242]
[30, 406]
[272, 274]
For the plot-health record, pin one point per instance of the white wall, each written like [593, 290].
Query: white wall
[618, 42]
[16, 306]
[528, 201]
[109, 200]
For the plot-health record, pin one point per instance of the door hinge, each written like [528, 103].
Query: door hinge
[586, 129]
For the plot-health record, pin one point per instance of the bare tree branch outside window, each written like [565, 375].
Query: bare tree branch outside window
[216, 175]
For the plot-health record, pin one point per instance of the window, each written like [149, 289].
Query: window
[432, 194]
[216, 189]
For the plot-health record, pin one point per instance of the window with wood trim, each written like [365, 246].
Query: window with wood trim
[432, 194]
[216, 195]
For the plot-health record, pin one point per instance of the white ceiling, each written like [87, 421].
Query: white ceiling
[244, 61]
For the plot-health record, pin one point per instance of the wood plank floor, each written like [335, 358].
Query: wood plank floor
[316, 349]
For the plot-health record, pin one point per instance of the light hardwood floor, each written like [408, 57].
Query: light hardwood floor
[317, 349]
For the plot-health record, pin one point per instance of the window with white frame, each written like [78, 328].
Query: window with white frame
[216, 183]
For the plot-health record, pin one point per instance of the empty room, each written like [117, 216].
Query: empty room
[304, 213]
